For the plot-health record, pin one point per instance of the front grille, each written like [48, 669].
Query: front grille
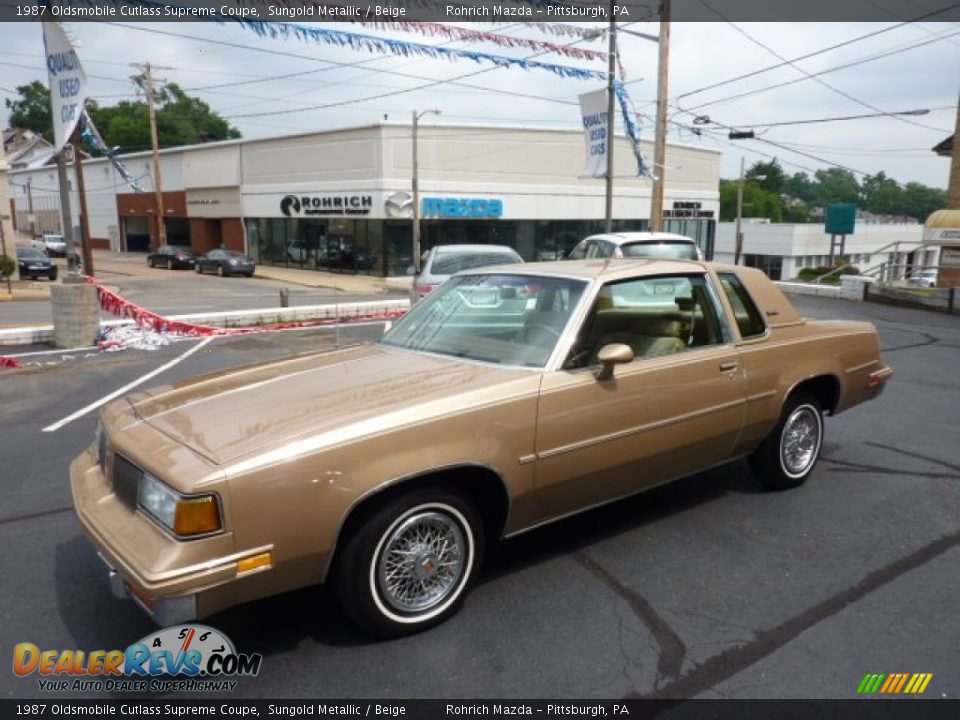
[126, 480]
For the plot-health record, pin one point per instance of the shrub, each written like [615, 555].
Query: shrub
[7, 266]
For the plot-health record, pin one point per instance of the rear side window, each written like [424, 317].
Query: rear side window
[670, 250]
[453, 263]
[748, 317]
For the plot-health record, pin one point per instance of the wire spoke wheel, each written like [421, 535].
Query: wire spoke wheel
[800, 440]
[422, 562]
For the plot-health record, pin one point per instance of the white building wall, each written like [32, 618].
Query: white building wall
[806, 245]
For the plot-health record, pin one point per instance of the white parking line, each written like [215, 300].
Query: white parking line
[126, 388]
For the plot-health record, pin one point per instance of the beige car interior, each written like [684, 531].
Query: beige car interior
[670, 324]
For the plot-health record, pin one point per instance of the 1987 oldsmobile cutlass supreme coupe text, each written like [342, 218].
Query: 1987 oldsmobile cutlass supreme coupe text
[506, 399]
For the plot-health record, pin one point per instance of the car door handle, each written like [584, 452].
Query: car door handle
[728, 366]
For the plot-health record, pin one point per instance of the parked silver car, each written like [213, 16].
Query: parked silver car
[445, 260]
[665, 246]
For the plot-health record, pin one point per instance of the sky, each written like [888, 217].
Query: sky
[259, 103]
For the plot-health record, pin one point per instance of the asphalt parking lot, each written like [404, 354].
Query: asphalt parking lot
[708, 587]
[180, 293]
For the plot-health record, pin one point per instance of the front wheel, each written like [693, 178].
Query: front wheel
[408, 566]
[788, 455]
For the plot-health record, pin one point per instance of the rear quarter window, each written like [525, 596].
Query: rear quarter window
[745, 310]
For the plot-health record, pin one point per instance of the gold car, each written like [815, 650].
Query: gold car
[507, 399]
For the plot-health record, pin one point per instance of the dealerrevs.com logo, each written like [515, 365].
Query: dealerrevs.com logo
[184, 658]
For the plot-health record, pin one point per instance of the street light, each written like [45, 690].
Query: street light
[416, 190]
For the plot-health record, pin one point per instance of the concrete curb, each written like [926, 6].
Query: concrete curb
[230, 319]
[792, 288]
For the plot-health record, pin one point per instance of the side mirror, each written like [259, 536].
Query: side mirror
[610, 355]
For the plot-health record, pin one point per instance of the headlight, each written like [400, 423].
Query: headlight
[183, 515]
[232, 261]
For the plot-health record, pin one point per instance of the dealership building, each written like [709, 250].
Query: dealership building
[341, 200]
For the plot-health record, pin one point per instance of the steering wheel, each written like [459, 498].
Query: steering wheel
[535, 326]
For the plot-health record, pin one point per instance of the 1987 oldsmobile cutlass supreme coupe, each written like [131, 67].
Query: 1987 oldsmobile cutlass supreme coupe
[507, 399]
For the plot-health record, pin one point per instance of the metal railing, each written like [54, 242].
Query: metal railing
[869, 272]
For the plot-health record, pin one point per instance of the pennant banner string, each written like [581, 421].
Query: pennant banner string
[626, 107]
[92, 138]
[372, 43]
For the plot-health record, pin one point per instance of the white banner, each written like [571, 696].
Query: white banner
[593, 108]
[68, 83]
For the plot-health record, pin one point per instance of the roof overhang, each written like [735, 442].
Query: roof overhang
[942, 228]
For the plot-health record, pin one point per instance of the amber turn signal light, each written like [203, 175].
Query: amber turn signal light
[254, 562]
[196, 516]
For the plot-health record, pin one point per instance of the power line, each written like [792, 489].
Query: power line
[338, 65]
[783, 147]
[851, 41]
[837, 68]
[819, 81]
[831, 119]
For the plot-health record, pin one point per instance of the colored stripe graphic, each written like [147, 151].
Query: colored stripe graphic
[870, 683]
[895, 683]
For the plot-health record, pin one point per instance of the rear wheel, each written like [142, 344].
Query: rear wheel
[408, 566]
[198, 269]
[170, 264]
[220, 271]
[788, 455]
[150, 262]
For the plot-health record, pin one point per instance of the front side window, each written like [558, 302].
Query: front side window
[745, 311]
[654, 316]
[504, 319]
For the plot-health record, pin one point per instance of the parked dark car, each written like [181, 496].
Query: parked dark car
[34, 263]
[173, 257]
[226, 262]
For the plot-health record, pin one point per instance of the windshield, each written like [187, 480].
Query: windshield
[448, 264]
[30, 253]
[670, 249]
[504, 319]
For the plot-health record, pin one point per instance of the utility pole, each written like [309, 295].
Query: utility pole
[145, 81]
[660, 139]
[82, 194]
[66, 215]
[611, 118]
[738, 247]
[30, 214]
[416, 190]
[953, 188]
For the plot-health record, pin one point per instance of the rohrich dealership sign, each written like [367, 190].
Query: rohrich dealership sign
[368, 205]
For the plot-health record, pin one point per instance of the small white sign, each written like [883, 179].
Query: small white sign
[593, 109]
[68, 82]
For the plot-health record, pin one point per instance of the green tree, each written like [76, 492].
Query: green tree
[836, 185]
[181, 119]
[800, 186]
[881, 194]
[757, 202]
[31, 110]
[920, 200]
[773, 176]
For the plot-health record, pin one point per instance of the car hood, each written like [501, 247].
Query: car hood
[331, 398]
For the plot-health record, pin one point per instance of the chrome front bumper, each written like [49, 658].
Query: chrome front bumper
[163, 611]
